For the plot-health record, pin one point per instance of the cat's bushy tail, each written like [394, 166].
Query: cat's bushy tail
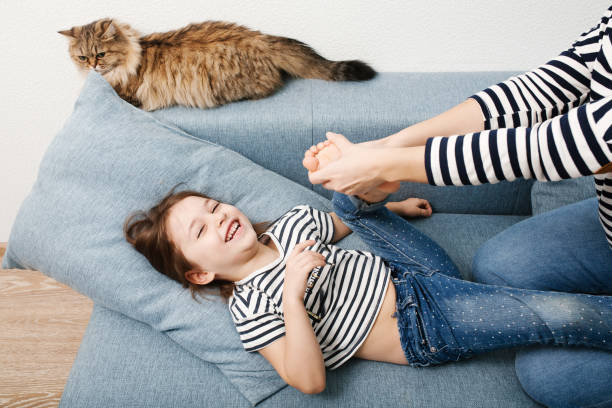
[298, 59]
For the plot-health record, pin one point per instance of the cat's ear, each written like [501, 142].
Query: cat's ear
[110, 33]
[68, 33]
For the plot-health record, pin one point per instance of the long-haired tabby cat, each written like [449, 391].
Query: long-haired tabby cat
[202, 65]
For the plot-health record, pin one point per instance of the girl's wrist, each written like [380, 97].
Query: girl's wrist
[292, 301]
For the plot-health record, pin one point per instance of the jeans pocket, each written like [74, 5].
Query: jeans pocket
[436, 345]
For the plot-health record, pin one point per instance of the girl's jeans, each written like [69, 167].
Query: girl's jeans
[444, 318]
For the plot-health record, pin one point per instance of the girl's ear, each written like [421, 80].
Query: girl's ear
[198, 277]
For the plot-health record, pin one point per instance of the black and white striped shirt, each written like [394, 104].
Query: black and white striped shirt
[551, 123]
[344, 300]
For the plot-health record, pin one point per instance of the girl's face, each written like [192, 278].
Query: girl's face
[214, 237]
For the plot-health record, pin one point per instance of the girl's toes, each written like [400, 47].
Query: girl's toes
[310, 162]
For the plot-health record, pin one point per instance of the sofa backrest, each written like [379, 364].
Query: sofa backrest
[274, 132]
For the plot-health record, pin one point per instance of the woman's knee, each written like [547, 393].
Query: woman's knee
[566, 377]
[563, 250]
[496, 264]
[511, 260]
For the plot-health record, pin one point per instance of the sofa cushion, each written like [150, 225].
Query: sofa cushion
[462, 234]
[549, 195]
[124, 363]
[111, 159]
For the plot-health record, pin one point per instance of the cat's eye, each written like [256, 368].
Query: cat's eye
[100, 55]
[82, 58]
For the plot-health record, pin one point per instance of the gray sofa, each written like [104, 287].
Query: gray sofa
[125, 363]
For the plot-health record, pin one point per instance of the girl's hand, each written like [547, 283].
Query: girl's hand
[299, 265]
[411, 207]
[417, 207]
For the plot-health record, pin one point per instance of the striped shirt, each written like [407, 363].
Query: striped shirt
[551, 123]
[342, 303]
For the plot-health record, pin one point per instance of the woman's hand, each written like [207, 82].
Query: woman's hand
[358, 170]
[299, 265]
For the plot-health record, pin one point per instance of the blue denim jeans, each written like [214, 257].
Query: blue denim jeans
[443, 318]
[564, 250]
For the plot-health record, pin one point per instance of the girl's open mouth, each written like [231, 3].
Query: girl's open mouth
[233, 231]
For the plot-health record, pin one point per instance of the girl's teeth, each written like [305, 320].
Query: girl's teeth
[233, 230]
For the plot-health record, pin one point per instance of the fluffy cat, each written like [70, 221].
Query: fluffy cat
[201, 65]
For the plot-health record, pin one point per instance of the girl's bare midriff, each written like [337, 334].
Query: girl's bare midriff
[383, 342]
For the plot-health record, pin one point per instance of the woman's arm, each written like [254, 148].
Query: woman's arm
[523, 100]
[463, 118]
[571, 145]
[361, 169]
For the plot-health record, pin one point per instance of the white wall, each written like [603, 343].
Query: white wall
[39, 84]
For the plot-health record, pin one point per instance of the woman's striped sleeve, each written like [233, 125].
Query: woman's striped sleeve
[547, 91]
[572, 145]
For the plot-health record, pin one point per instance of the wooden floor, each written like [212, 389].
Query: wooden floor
[41, 326]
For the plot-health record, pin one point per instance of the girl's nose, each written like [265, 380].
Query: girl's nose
[221, 218]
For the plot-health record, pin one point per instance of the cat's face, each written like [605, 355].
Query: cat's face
[102, 45]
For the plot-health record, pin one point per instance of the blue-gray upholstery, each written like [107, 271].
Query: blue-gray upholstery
[140, 361]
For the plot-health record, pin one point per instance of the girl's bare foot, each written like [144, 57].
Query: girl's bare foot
[320, 155]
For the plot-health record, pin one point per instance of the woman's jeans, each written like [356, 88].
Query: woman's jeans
[564, 250]
[444, 318]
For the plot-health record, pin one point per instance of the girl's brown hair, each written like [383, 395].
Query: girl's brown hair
[147, 232]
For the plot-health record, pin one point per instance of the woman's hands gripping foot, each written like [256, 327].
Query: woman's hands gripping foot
[321, 155]
[352, 166]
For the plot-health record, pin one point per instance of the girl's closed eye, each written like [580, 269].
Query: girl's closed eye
[212, 211]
